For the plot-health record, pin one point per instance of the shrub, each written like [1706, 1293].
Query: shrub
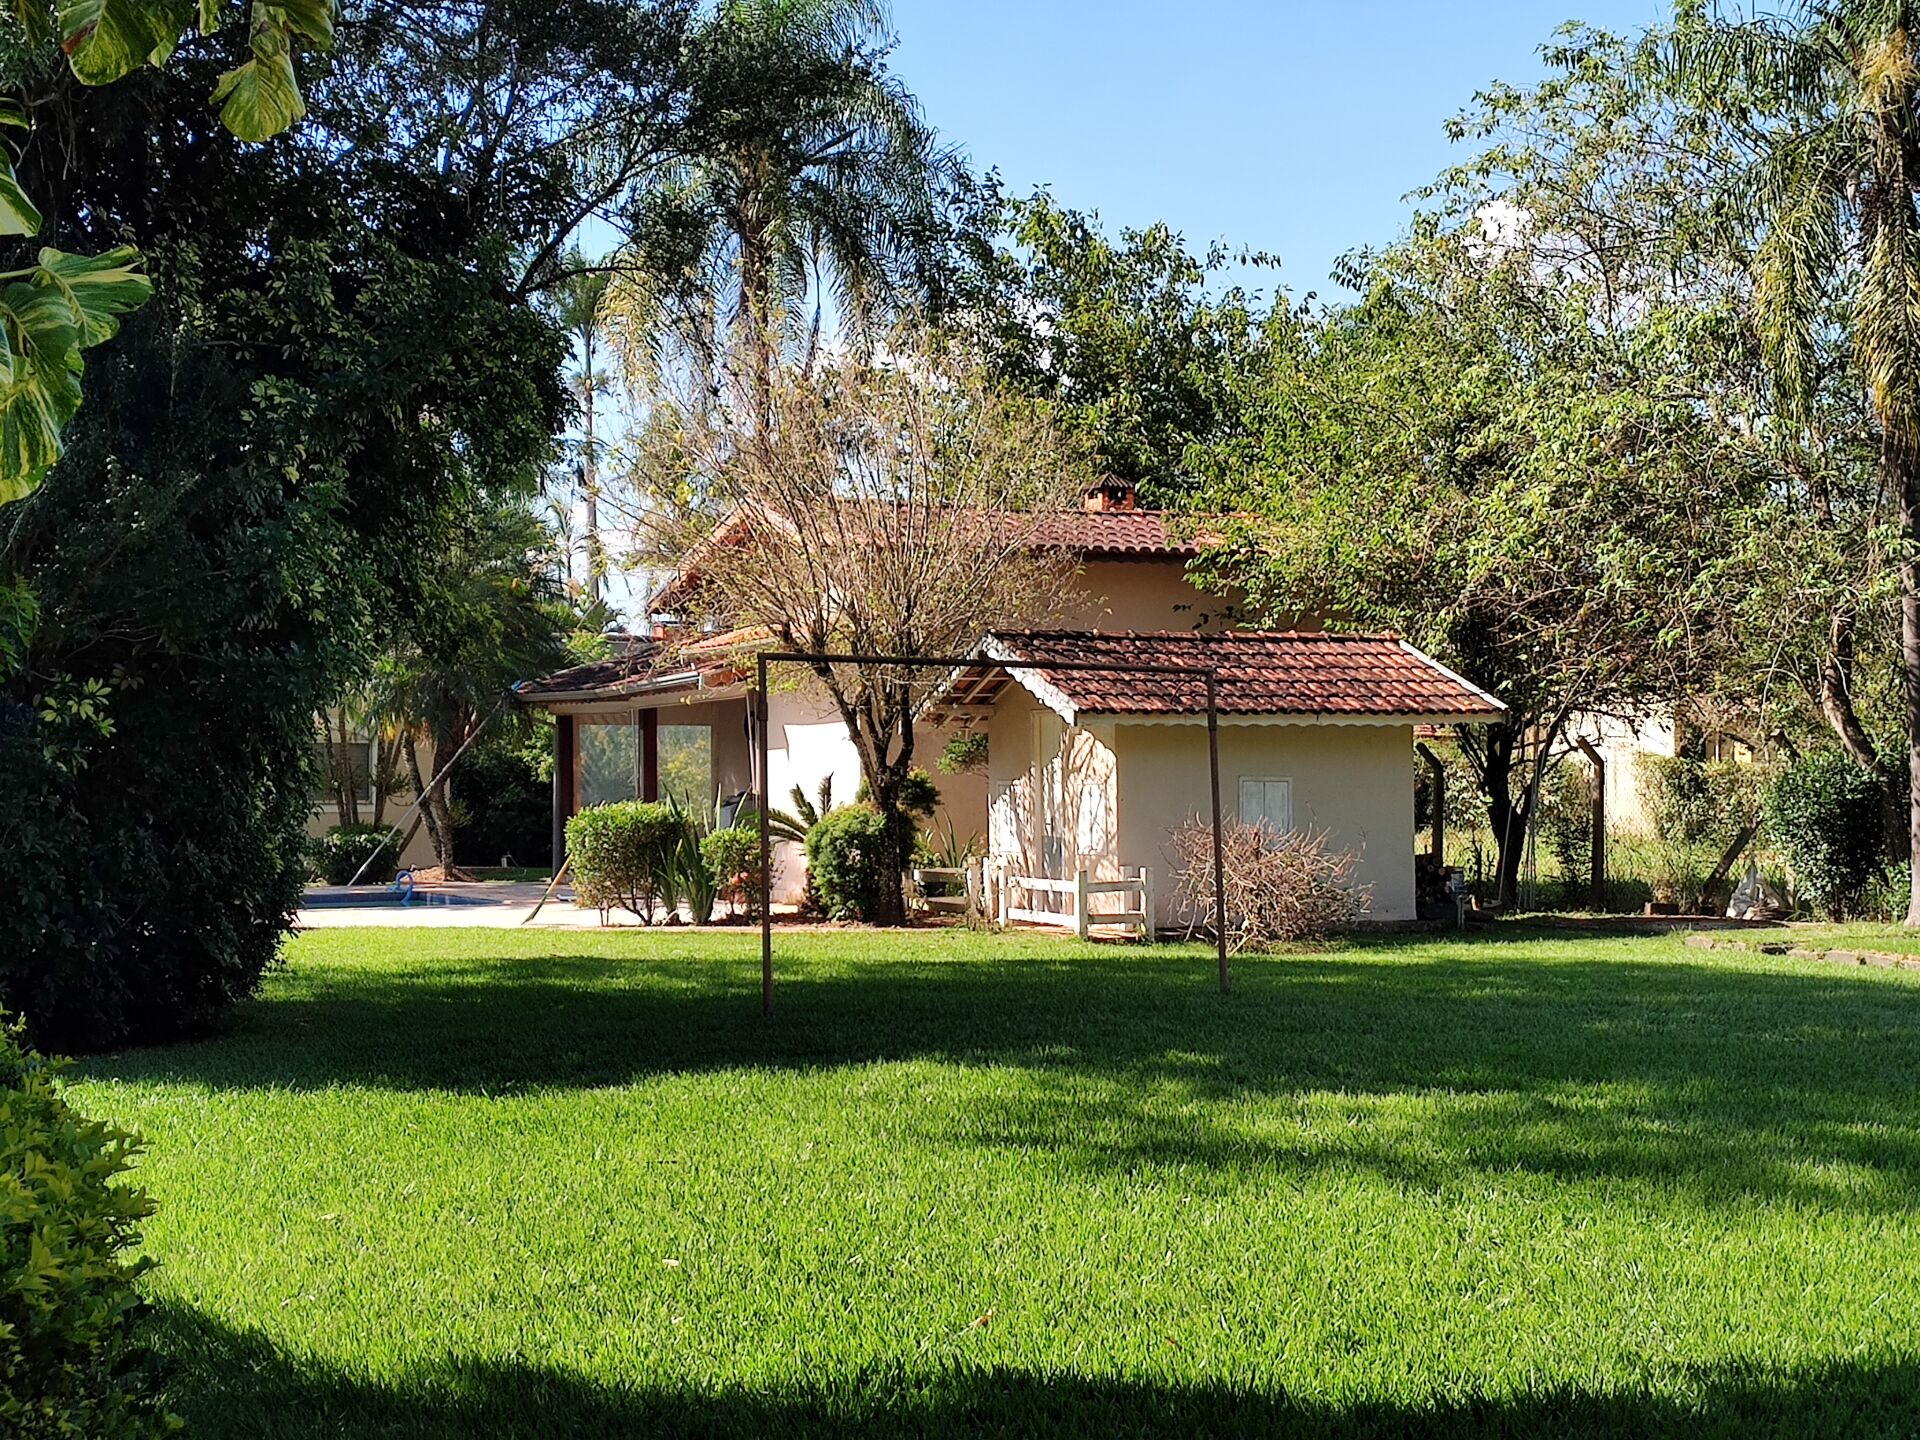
[733, 855]
[339, 854]
[919, 794]
[621, 855]
[1826, 816]
[69, 1362]
[1280, 888]
[1695, 811]
[1885, 898]
[1566, 824]
[965, 753]
[844, 858]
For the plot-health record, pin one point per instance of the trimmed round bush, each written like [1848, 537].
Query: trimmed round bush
[845, 858]
[70, 1364]
[1827, 817]
[339, 854]
[622, 855]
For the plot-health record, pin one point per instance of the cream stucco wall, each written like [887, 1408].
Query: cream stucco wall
[806, 743]
[1353, 781]
[1141, 595]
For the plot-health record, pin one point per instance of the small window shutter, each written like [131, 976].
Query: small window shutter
[1253, 800]
[1267, 802]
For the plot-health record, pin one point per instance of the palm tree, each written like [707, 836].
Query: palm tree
[808, 173]
[1833, 96]
[577, 302]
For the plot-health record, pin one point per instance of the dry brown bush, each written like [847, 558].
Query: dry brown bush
[1279, 888]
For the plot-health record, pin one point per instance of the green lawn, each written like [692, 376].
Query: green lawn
[455, 1182]
[1854, 935]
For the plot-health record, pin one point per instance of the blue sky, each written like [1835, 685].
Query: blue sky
[1288, 127]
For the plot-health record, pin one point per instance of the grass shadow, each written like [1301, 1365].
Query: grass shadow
[1418, 1063]
[237, 1384]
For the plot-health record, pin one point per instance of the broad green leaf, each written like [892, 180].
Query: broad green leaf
[18, 214]
[209, 16]
[261, 98]
[100, 288]
[45, 388]
[12, 112]
[71, 302]
[106, 39]
[310, 18]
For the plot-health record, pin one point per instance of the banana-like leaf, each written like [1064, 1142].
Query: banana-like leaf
[261, 98]
[310, 18]
[100, 288]
[106, 39]
[18, 214]
[44, 390]
[69, 303]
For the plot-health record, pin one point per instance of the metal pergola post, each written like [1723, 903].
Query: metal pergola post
[764, 783]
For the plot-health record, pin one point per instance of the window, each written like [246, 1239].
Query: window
[1267, 802]
[350, 761]
[686, 767]
[609, 761]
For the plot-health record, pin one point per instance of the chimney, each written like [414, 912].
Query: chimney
[1111, 495]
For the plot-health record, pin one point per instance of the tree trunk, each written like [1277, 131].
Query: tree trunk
[756, 305]
[1836, 694]
[442, 848]
[890, 906]
[1901, 466]
[590, 481]
[382, 762]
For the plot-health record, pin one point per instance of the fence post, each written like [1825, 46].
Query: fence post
[1146, 903]
[1598, 860]
[1080, 900]
[974, 886]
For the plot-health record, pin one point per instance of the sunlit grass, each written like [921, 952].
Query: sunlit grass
[457, 1182]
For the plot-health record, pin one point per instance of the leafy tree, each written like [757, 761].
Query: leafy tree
[1465, 457]
[1626, 177]
[1123, 336]
[487, 615]
[1835, 92]
[335, 366]
[62, 304]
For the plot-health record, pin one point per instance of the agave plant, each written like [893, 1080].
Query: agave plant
[688, 875]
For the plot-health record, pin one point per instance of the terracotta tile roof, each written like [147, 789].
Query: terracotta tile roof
[1261, 672]
[1120, 534]
[641, 663]
[728, 642]
[1094, 535]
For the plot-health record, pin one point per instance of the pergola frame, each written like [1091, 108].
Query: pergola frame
[764, 658]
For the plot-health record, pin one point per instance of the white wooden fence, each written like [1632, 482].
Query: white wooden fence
[1135, 912]
[970, 901]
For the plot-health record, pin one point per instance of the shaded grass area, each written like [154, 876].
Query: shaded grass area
[445, 1182]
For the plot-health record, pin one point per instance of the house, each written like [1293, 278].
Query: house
[1093, 769]
[359, 781]
[1083, 770]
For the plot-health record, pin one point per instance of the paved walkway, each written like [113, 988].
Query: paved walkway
[499, 904]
